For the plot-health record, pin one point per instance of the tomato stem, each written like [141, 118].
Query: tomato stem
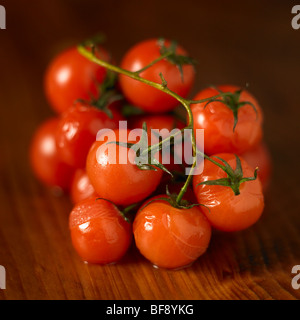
[186, 184]
[161, 143]
[163, 56]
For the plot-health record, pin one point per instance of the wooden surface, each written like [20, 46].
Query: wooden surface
[237, 42]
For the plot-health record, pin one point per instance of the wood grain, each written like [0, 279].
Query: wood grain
[249, 42]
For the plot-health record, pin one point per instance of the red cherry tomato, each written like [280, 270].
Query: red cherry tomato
[70, 76]
[99, 232]
[225, 210]
[78, 128]
[170, 237]
[217, 120]
[142, 95]
[119, 181]
[45, 161]
[81, 187]
[260, 157]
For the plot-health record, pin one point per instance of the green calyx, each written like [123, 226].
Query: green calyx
[170, 54]
[107, 94]
[234, 177]
[97, 39]
[232, 101]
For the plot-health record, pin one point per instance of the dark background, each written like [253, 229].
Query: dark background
[236, 42]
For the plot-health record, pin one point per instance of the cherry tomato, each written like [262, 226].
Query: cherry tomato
[77, 130]
[225, 210]
[81, 187]
[142, 95]
[99, 232]
[260, 157]
[217, 120]
[70, 76]
[119, 181]
[170, 237]
[45, 161]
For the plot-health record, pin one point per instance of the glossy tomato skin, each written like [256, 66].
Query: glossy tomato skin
[168, 237]
[142, 95]
[217, 120]
[46, 162]
[260, 157]
[224, 210]
[81, 187]
[70, 76]
[78, 128]
[119, 181]
[99, 233]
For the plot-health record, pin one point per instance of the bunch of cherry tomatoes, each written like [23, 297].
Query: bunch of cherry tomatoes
[116, 204]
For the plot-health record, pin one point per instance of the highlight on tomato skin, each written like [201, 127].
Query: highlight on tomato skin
[99, 233]
[145, 97]
[70, 77]
[168, 237]
[119, 181]
[217, 120]
[225, 210]
[46, 163]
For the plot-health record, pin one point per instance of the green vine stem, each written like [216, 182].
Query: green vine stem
[163, 56]
[89, 54]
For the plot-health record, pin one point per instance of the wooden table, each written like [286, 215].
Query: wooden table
[237, 42]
